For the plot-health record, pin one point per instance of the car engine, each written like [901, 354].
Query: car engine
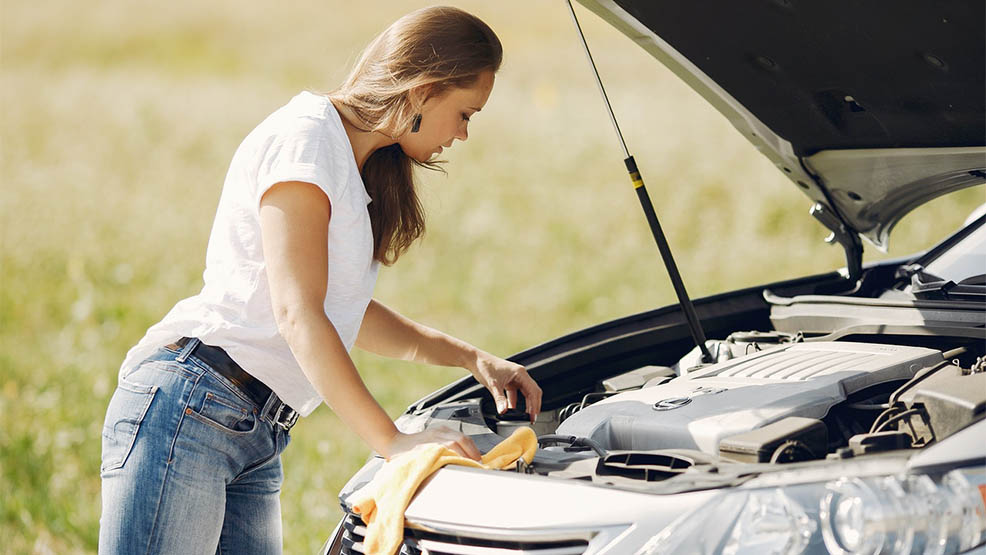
[794, 401]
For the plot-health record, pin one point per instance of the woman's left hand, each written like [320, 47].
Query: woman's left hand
[504, 378]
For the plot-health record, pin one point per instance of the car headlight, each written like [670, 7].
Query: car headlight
[858, 516]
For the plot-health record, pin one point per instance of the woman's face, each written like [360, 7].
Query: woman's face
[446, 117]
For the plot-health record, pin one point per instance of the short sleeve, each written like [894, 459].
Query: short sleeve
[301, 150]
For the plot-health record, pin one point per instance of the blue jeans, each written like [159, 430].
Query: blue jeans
[188, 464]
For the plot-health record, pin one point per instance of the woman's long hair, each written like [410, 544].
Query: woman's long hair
[441, 47]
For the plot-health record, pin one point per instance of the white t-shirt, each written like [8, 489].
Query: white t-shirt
[302, 141]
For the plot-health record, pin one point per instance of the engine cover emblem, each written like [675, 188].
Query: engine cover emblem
[672, 403]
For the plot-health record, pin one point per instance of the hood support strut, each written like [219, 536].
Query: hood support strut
[846, 237]
[694, 325]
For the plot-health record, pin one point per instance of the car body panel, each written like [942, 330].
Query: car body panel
[800, 80]
[894, 182]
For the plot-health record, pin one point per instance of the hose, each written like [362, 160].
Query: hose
[897, 417]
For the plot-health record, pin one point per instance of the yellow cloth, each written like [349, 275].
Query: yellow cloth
[382, 502]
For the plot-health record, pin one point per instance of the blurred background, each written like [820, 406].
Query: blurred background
[119, 121]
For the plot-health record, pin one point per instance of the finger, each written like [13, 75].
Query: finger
[532, 393]
[499, 399]
[454, 446]
[533, 408]
[469, 448]
[463, 446]
[511, 397]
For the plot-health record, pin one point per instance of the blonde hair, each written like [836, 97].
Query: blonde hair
[439, 48]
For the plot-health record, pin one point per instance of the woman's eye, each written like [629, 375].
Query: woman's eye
[465, 117]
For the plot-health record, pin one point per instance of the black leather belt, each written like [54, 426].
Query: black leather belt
[278, 412]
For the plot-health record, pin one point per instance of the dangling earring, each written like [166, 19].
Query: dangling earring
[416, 125]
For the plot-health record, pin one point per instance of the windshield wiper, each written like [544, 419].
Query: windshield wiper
[930, 286]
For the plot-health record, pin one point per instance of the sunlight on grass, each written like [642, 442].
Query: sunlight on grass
[119, 122]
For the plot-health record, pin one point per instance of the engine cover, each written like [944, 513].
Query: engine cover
[697, 410]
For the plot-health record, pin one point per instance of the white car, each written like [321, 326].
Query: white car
[836, 413]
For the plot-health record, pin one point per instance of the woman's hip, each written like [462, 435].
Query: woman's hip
[166, 410]
[178, 441]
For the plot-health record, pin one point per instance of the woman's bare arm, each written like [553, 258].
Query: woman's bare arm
[294, 220]
[388, 333]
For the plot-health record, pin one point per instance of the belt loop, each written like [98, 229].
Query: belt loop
[186, 351]
[272, 401]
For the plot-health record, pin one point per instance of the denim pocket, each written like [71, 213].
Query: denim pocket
[223, 414]
[124, 415]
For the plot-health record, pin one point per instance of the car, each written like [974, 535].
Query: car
[835, 413]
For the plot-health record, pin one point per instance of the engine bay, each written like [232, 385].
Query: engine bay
[771, 398]
[803, 400]
[699, 409]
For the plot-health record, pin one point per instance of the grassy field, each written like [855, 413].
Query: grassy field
[119, 120]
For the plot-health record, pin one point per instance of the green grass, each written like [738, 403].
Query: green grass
[119, 121]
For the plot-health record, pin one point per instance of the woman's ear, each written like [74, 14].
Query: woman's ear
[419, 95]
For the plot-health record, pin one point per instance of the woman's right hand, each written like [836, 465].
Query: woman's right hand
[454, 440]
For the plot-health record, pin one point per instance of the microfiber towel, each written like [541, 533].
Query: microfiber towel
[382, 502]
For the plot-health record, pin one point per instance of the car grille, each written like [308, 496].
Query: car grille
[417, 542]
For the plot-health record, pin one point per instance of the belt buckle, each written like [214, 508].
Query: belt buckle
[289, 421]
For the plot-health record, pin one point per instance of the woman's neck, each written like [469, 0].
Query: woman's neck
[364, 143]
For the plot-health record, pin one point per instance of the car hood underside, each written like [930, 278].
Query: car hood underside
[870, 109]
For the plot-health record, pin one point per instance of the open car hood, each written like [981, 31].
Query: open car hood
[870, 108]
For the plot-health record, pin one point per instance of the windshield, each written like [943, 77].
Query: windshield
[965, 259]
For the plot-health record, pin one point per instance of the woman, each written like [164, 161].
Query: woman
[316, 197]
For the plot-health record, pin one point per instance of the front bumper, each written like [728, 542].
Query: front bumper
[469, 511]
[475, 511]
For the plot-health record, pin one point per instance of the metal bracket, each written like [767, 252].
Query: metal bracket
[841, 234]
